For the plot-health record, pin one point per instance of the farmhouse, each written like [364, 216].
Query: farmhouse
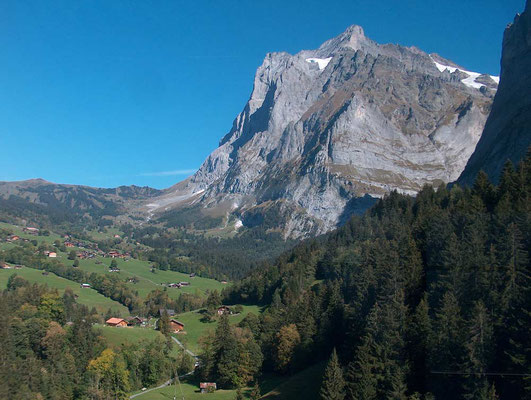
[224, 310]
[69, 244]
[207, 387]
[176, 326]
[3, 265]
[13, 238]
[119, 322]
[116, 254]
[31, 230]
[52, 254]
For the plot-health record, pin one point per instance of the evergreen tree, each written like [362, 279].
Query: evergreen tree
[333, 386]
[226, 354]
[164, 323]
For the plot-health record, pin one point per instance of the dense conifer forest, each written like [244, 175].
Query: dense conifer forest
[422, 298]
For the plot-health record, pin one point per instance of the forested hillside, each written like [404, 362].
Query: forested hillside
[51, 350]
[422, 297]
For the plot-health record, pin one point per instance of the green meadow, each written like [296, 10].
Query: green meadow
[194, 327]
[189, 390]
[19, 231]
[87, 296]
[147, 280]
[115, 337]
[302, 385]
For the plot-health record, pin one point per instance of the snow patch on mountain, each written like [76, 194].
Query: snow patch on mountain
[322, 62]
[469, 81]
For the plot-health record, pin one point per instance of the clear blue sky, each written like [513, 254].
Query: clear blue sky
[107, 93]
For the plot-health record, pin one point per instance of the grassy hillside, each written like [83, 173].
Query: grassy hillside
[89, 297]
[195, 328]
[118, 336]
[188, 389]
[147, 281]
[303, 385]
[19, 231]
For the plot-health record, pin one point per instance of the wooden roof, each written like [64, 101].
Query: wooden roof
[114, 320]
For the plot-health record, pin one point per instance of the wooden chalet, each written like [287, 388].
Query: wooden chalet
[224, 310]
[176, 326]
[119, 322]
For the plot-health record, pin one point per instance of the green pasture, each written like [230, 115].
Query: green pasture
[194, 327]
[87, 296]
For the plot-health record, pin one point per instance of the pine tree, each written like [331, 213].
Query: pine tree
[333, 386]
[447, 353]
[226, 354]
[419, 337]
[361, 380]
[479, 351]
[164, 323]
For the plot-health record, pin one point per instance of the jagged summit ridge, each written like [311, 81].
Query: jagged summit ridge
[349, 119]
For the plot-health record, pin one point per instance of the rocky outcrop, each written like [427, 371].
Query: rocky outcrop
[351, 120]
[507, 133]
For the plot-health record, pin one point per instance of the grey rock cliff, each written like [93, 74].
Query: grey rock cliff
[507, 133]
[351, 119]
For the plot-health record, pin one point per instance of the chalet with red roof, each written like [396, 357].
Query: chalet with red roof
[119, 322]
[176, 326]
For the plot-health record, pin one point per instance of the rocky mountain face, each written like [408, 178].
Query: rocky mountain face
[507, 133]
[326, 131]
